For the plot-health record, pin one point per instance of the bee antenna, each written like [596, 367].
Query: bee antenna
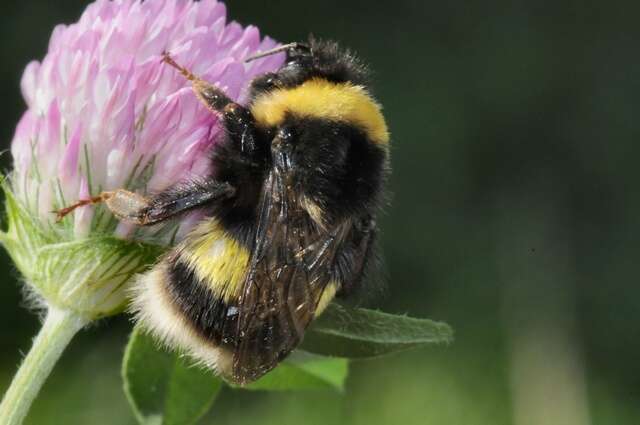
[278, 49]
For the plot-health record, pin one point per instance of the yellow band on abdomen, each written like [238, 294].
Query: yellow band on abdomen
[216, 259]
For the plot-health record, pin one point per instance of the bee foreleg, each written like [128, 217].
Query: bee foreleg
[213, 97]
[137, 209]
[238, 120]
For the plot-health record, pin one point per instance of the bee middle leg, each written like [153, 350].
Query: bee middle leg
[143, 211]
[356, 257]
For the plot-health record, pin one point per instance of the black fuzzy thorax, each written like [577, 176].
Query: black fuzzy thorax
[336, 166]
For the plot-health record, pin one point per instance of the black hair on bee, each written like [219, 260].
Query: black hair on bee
[290, 214]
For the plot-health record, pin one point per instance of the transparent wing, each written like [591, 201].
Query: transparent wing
[289, 270]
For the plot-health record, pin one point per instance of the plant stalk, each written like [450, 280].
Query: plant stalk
[58, 329]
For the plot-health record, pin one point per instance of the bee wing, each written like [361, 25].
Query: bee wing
[288, 274]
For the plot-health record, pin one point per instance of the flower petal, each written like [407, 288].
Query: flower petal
[106, 112]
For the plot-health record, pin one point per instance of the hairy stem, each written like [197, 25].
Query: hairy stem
[58, 329]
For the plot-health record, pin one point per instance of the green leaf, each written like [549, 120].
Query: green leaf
[162, 387]
[361, 333]
[304, 371]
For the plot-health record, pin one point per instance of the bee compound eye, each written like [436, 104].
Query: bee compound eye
[285, 134]
[270, 82]
[298, 50]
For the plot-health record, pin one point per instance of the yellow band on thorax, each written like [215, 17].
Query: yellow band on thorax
[318, 98]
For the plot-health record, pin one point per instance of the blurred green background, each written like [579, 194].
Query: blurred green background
[515, 216]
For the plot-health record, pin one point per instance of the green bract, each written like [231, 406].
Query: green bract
[87, 276]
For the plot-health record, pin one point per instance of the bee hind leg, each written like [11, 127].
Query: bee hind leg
[63, 212]
[143, 211]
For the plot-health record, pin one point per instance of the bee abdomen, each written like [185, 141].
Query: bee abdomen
[159, 308]
[211, 315]
[189, 299]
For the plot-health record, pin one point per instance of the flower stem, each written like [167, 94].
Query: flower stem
[58, 329]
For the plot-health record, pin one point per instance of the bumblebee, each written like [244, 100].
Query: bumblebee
[290, 213]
